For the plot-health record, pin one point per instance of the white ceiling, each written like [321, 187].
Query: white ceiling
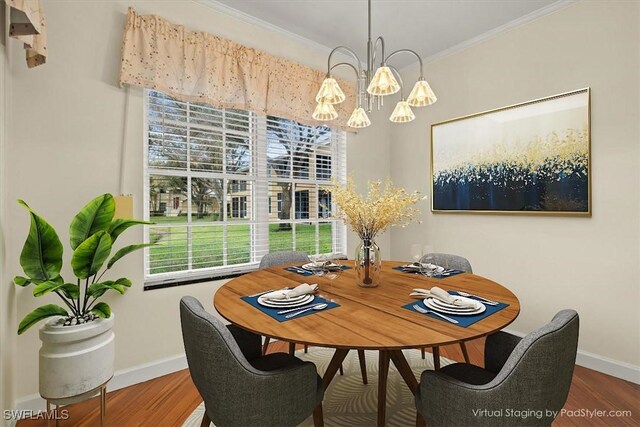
[426, 26]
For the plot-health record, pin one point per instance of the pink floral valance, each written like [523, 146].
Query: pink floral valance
[200, 67]
[27, 24]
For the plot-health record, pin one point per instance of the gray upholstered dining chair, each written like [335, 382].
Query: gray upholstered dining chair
[525, 381]
[453, 262]
[290, 257]
[240, 386]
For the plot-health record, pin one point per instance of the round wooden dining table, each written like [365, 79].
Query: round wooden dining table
[367, 318]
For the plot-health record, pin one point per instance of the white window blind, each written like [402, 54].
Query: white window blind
[224, 187]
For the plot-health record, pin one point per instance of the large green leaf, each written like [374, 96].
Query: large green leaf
[71, 290]
[118, 226]
[125, 251]
[39, 314]
[101, 310]
[98, 289]
[41, 257]
[124, 282]
[94, 217]
[91, 254]
[21, 281]
[46, 287]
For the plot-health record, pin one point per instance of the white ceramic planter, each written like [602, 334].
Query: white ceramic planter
[75, 360]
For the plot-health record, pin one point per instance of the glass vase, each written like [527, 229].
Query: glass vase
[368, 263]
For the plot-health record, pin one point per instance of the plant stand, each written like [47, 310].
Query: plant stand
[52, 414]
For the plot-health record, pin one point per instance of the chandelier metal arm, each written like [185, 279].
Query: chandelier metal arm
[348, 50]
[407, 51]
[359, 78]
[375, 49]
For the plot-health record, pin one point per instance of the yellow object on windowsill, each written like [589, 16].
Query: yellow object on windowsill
[124, 206]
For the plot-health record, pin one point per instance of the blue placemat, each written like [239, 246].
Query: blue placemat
[301, 271]
[437, 276]
[463, 321]
[273, 312]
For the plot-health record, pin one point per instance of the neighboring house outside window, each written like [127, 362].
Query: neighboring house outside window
[207, 170]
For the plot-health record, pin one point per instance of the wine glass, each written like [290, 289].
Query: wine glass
[318, 264]
[332, 270]
[416, 252]
[427, 265]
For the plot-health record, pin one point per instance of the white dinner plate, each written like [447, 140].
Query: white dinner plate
[285, 303]
[313, 267]
[428, 302]
[472, 304]
[283, 300]
[435, 268]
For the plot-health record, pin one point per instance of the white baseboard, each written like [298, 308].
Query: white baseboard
[615, 368]
[121, 379]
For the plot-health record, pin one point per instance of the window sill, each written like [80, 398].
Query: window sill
[152, 286]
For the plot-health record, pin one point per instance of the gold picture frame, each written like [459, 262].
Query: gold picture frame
[530, 158]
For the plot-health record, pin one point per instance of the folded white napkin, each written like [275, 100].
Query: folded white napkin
[445, 296]
[420, 266]
[302, 289]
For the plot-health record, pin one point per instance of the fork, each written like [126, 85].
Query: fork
[483, 299]
[424, 311]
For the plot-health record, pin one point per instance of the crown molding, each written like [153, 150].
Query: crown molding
[249, 19]
[494, 32]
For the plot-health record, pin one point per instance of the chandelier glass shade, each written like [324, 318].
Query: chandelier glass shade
[374, 80]
[402, 113]
[359, 119]
[330, 92]
[324, 111]
[421, 95]
[383, 82]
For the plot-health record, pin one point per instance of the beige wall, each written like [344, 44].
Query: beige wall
[590, 264]
[7, 294]
[64, 149]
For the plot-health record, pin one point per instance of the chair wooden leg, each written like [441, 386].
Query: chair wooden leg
[265, 346]
[206, 421]
[464, 352]
[419, 420]
[306, 348]
[318, 419]
[292, 348]
[363, 366]
[422, 353]
[436, 358]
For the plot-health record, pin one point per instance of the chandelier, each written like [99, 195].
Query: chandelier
[371, 86]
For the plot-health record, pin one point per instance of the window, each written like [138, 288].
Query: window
[279, 196]
[323, 167]
[324, 204]
[302, 204]
[210, 178]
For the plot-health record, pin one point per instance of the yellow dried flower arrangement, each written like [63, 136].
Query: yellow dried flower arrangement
[385, 206]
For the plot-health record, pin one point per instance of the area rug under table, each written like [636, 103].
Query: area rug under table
[348, 402]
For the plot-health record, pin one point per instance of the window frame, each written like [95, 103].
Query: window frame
[258, 141]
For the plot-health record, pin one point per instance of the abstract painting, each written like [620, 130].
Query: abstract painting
[529, 158]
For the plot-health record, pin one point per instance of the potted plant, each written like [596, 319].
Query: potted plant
[77, 353]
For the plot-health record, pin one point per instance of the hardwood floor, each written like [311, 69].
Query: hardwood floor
[168, 400]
